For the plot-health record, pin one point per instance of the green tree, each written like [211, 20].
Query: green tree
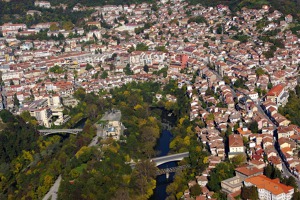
[104, 75]
[270, 85]
[197, 19]
[54, 27]
[195, 190]
[161, 48]
[238, 160]
[141, 47]
[131, 49]
[143, 178]
[223, 170]
[127, 70]
[146, 68]
[272, 172]
[259, 71]
[88, 67]
[16, 100]
[67, 25]
[80, 94]
[249, 193]
[253, 126]
[206, 44]
[296, 195]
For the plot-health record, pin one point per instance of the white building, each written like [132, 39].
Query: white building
[43, 4]
[253, 96]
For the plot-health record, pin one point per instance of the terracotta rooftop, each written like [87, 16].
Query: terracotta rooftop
[235, 140]
[276, 90]
[249, 170]
[271, 185]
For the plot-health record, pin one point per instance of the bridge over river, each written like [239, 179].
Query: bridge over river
[169, 158]
[46, 132]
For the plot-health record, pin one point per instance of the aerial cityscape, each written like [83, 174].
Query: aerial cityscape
[145, 99]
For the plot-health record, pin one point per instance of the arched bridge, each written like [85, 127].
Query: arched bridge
[169, 158]
[46, 132]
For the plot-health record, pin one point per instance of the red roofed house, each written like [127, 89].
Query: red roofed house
[236, 145]
[278, 95]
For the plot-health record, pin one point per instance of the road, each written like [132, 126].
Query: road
[54, 189]
[100, 133]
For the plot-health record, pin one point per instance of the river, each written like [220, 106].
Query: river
[161, 181]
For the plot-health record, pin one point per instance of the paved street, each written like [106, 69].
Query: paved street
[100, 133]
[53, 190]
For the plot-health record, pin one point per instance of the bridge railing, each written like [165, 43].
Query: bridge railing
[53, 131]
[171, 169]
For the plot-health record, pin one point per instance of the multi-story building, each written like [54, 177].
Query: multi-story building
[236, 145]
[14, 27]
[278, 95]
[114, 129]
[270, 189]
[43, 4]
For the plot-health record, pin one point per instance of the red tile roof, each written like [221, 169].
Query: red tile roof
[276, 90]
[271, 185]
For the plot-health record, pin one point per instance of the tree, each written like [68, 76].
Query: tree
[146, 68]
[195, 190]
[68, 25]
[223, 170]
[249, 193]
[198, 19]
[141, 47]
[270, 85]
[290, 181]
[16, 100]
[253, 126]
[161, 48]
[272, 172]
[143, 178]
[268, 54]
[259, 71]
[127, 70]
[88, 67]
[104, 75]
[131, 49]
[80, 94]
[238, 160]
[206, 44]
[296, 196]
[227, 80]
[54, 27]
[154, 7]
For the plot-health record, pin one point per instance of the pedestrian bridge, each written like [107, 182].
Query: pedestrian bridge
[169, 158]
[46, 132]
